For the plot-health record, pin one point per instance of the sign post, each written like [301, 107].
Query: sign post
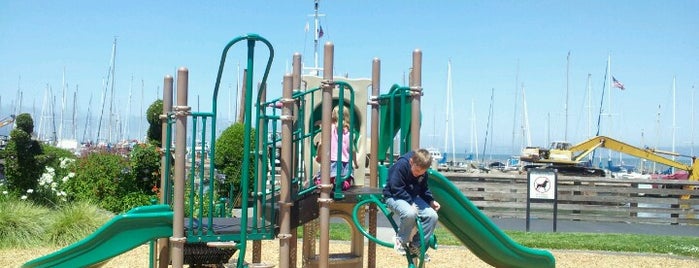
[542, 187]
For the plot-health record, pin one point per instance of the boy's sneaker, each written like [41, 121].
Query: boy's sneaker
[398, 245]
[415, 252]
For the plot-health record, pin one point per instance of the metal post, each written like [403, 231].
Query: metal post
[181, 112]
[373, 162]
[262, 167]
[243, 95]
[162, 253]
[286, 174]
[416, 89]
[295, 85]
[326, 186]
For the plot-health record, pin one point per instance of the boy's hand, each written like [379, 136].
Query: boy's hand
[435, 205]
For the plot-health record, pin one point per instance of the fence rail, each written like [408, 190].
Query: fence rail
[585, 198]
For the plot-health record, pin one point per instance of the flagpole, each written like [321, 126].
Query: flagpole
[315, 35]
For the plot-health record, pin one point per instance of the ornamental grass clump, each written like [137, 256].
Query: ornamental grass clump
[74, 222]
[22, 224]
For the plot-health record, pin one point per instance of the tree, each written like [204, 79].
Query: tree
[22, 166]
[25, 122]
[155, 128]
[229, 154]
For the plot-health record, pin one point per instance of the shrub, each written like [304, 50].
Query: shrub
[106, 180]
[51, 188]
[228, 157]
[74, 222]
[22, 224]
[52, 155]
[145, 166]
[155, 126]
[58, 168]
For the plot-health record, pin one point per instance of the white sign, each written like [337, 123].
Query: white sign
[542, 185]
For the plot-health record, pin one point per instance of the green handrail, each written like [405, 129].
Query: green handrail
[389, 215]
[339, 180]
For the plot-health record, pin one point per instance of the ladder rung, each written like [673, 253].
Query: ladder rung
[230, 244]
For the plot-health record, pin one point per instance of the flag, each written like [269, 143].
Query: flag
[307, 27]
[320, 31]
[617, 83]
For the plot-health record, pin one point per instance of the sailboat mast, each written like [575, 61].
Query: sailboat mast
[525, 119]
[514, 116]
[674, 125]
[609, 89]
[451, 109]
[474, 131]
[18, 103]
[589, 106]
[565, 136]
[54, 138]
[75, 114]
[88, 118]
[126, 131]
[142, 112]
[105, 83]
[590, 157]
[63, 105]
[40, 132]
[111, 93]
[488, 127]
[449, 129]
[691, 142]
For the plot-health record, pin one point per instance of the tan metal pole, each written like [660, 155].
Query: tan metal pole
[162, 254]
[181, 112]
[326, 186]
[373, 162]
[286, 173]
[243, 95]
[295, 85]
[416, 89]
[257, 244]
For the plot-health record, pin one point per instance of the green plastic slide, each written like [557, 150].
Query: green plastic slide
[121, 234]
[478, 232]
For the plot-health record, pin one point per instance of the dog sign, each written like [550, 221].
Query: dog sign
[542, 185]
[542, 189]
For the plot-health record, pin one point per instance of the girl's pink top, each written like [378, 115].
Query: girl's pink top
[345, 144]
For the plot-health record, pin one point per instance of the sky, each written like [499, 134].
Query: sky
[496, 48]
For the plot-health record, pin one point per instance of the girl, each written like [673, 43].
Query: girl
[345, 148]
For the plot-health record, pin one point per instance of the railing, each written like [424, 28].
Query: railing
[586, 198]
[395, 112]
[304, 169]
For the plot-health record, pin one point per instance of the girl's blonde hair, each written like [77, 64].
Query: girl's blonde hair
[345, 116]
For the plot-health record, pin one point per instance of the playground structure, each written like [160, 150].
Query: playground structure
[204, 228]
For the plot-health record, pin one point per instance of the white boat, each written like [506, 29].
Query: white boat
[436, 155]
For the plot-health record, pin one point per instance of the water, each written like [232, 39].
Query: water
[481, 158]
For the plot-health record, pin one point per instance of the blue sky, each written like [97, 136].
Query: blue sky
[491, 44]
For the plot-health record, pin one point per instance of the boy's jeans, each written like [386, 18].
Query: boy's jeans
[408, 213]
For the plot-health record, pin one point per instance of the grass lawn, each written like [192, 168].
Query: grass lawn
[674, 245]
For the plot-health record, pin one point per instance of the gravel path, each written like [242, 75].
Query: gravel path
[452, 256]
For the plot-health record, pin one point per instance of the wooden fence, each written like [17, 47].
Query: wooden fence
[585, 198]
